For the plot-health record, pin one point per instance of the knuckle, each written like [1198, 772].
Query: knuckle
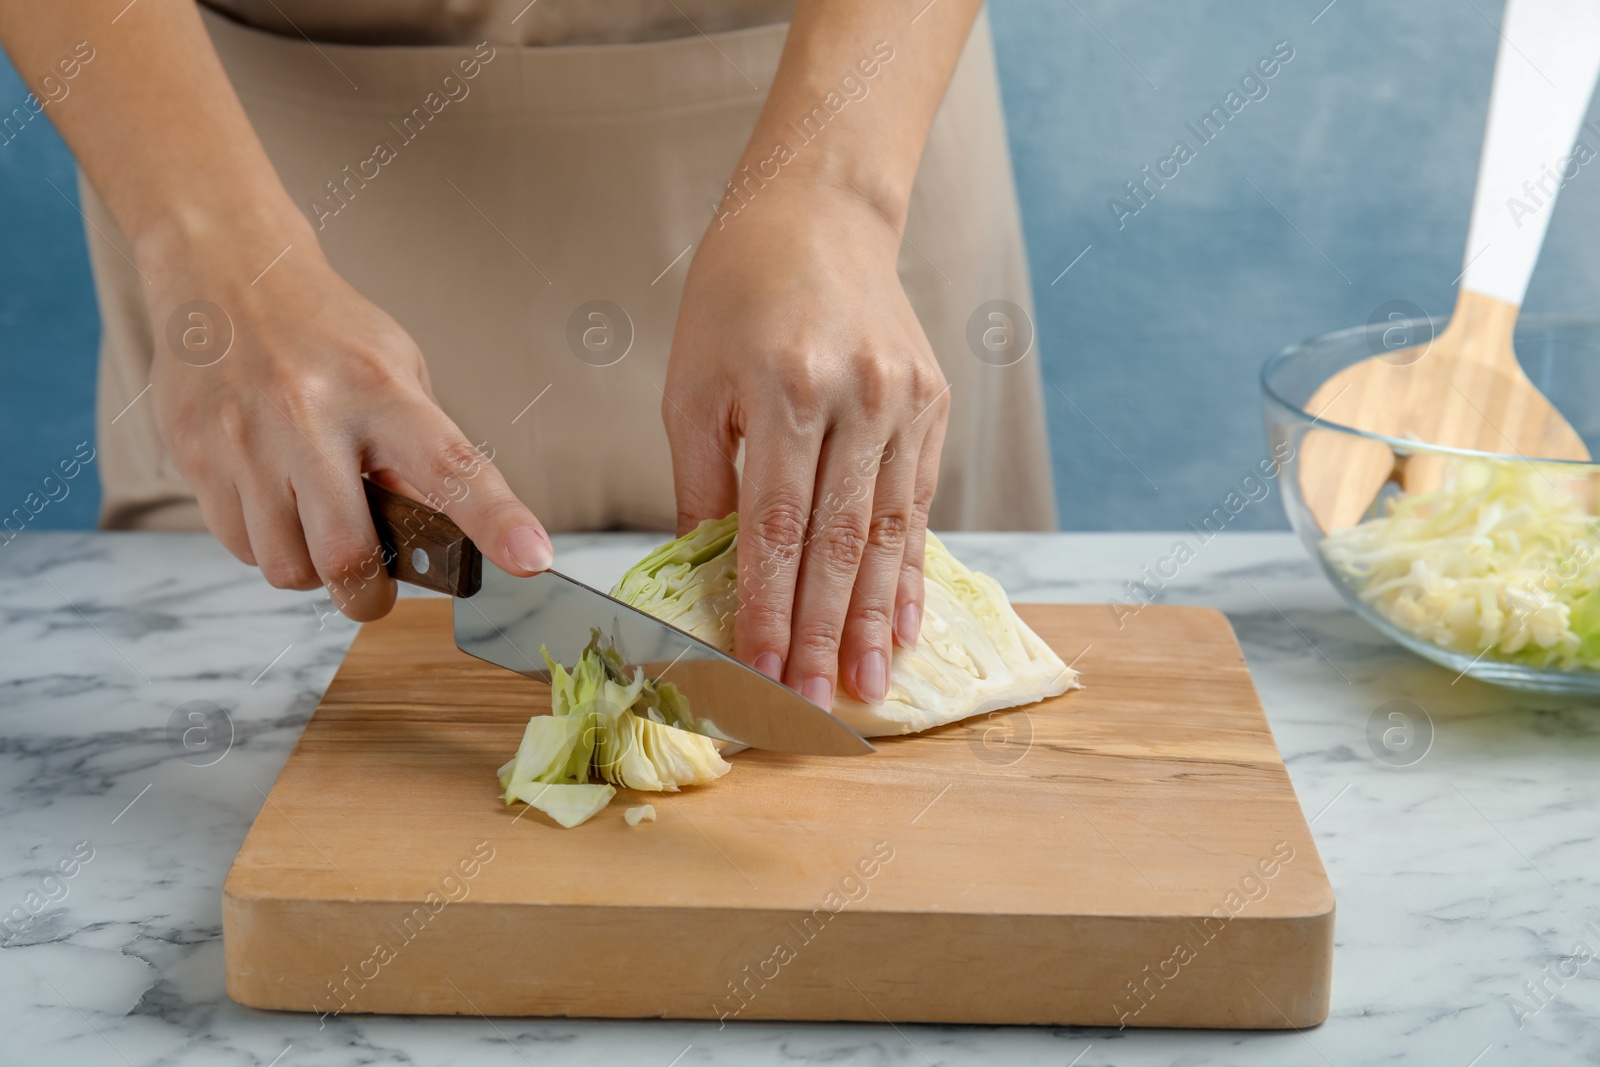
[455, 457]
[233, 423]
[371, 368]
[889, 530]
[299, 397]
[764, 617]
[880, 384]
[871, 617]
[815, 642]
[802, 384]
[839, 545]
[345, 558]
[288, 574]
[927, 378]
[779, 525]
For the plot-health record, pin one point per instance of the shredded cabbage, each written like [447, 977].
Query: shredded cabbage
[606, 729]
[973, 655]
[1503, 560]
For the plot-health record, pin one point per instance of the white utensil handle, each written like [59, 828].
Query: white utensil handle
[1544, 76]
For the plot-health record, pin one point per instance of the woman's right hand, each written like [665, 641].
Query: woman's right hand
[275, 393]
[318, 386]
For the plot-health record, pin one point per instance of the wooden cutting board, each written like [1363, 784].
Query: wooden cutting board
[1129, 853]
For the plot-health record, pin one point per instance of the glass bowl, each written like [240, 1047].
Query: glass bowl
[1492, 567]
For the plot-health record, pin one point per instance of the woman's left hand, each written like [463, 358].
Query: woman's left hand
[796, 338]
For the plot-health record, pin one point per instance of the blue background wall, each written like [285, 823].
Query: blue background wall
[48, 324]
[1366, 142]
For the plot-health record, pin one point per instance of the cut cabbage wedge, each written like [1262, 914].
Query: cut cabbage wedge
[692, 582]
[606, 729]
[973, 655]
[642, 754]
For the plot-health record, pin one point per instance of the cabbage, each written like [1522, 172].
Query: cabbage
[567, 804]
[973, 655]
[608, 726]
[554, 749]
[1501, 559]
[692, 582]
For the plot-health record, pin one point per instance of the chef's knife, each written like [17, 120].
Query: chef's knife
[506, 620]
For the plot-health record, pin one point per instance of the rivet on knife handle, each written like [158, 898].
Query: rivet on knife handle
[422, 546]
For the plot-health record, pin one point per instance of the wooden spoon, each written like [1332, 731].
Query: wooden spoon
[1466, 389]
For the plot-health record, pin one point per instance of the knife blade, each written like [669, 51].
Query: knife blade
[505, 620]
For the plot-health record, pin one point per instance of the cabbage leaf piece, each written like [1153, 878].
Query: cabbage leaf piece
[607, 728]
[568, 804]
[973, 655]
[554, 749]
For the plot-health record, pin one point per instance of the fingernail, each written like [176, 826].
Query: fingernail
[770, 665]
[908, 623]
[872, 677]
[529, 549]
[819, 691]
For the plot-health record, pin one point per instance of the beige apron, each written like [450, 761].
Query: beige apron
[530, 22]
[554, 177]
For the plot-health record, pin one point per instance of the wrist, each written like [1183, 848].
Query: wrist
[227, 244]
[851, 180]
[802, 200]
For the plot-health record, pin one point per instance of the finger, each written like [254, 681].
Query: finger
[419, 443]
[396, 484]
[835, 544]
[220, 510]
[780, 469]
[911, 595]
[276, 540]
[343, 543]
[867, 645]
[704, 478]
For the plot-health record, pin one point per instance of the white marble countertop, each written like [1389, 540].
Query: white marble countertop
[1459, 878]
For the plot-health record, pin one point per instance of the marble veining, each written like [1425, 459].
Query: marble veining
[1468, 881]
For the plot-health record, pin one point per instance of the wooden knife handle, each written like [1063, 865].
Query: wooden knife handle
[422, 546]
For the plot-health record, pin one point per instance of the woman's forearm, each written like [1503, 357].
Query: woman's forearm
[796, 339]
[153, 122]
[322, 386]
[853, 99]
